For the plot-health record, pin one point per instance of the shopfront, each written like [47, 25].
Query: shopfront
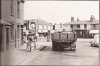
[82, 33]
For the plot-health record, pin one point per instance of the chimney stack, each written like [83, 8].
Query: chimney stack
[92, 18]
[72, 19]
[77, 19]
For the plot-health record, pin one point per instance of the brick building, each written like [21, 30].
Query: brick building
[11, 21]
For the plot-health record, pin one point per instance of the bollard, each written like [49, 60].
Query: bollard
[48, 36]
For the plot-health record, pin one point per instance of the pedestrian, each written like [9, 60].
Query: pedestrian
[30, 40]
[24, 38]
[34, 40]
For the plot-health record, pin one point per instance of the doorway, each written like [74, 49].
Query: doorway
[0, 38]
[7, 38]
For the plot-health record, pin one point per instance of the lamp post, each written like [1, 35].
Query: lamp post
[33, 26]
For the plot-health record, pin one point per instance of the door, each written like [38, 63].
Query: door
[21, 36]
[7, 38]
[0, 38]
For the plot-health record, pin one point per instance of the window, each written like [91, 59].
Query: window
[78, 26]
[85, 26]
[42, 26]
[94, 26]
[12, 31]
[53, 27]
[60, 25]
[18, 9]
[71, 26]
[12, 7]
[47, 27]
[18, 31]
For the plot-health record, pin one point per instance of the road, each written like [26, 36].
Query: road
[84, 55]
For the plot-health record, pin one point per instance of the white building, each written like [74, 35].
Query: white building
[83, 28]
[41, 26]
[58, 27]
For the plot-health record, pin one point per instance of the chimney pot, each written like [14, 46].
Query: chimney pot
[72, 19]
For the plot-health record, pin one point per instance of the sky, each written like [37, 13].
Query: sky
[60, 11]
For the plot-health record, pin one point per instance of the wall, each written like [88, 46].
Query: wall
[66, 26]
[0, 9]
[6, 16]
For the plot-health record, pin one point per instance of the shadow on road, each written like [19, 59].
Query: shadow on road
[49, 48]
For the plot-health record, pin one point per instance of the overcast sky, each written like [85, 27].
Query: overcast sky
[60, 11]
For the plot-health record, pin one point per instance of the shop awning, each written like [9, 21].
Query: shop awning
[40, 31]
[94, 31]
[45, 31]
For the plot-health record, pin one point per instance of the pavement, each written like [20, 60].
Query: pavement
[16, 56]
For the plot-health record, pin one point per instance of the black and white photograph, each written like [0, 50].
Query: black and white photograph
[52, 32]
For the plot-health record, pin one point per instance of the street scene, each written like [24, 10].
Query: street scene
[49, 32]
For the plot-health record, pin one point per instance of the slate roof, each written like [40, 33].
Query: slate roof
[82, 22]
[40, 22]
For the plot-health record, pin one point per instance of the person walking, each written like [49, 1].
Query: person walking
[30, 40]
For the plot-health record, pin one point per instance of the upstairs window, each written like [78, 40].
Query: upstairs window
[18, 9]
[94, 26]
[85, 26]
[53, 27]
[60, 25]
[71, 26]
[47, 27]
[12, 7]
[78, 26]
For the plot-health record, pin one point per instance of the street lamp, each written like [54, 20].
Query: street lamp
[33, 26]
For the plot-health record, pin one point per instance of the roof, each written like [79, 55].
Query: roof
[83, 22]
[39, 22]
[5, 22]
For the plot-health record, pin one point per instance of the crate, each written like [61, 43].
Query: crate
[71, 36]
[56, 36]
[63, 36]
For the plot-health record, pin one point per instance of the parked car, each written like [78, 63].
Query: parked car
[95, 41]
